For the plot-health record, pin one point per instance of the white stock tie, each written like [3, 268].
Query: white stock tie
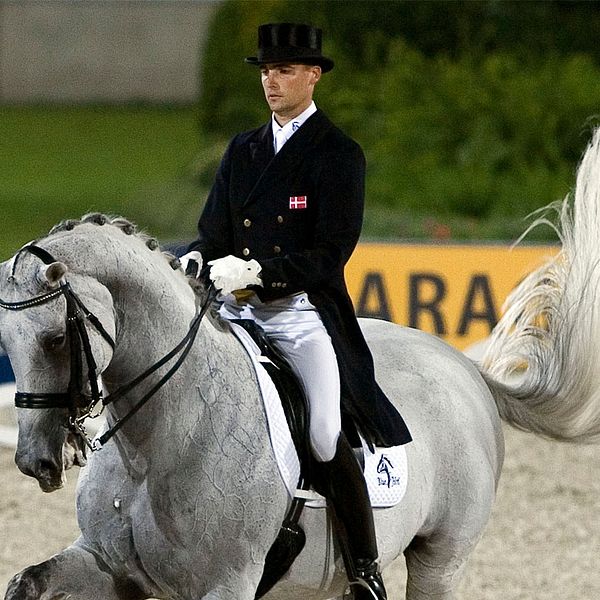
[279, 140]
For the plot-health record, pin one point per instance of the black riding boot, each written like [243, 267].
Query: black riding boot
[348, 497]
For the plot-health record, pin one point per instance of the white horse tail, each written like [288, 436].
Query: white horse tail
[543, 362]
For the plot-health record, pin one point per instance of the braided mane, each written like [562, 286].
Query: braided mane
[121, 223]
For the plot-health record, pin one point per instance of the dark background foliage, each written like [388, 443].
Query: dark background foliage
[471, 114]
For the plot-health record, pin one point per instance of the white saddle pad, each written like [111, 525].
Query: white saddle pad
[386, 470]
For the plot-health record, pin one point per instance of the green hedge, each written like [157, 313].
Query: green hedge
[469, 138]
[496, 138]
[58, 162]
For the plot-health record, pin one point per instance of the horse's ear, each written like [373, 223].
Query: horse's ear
[54, 272]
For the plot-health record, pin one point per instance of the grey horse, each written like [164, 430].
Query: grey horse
[186, 499]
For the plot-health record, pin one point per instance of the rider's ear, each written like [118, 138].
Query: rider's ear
[55, 272]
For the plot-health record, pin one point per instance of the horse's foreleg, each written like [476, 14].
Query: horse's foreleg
[73, 574]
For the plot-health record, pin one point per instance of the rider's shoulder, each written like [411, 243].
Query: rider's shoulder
[249, 136]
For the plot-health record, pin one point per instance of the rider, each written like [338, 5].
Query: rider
[281, 221]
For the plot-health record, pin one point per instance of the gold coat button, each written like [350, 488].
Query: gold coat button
[246, 251]
[247, 222]
[276, 249]
[280, 219]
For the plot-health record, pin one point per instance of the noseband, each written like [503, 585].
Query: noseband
[78, 404]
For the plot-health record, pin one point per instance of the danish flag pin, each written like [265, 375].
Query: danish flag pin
[297, 202]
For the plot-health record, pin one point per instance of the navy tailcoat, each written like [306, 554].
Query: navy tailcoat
[299, 214]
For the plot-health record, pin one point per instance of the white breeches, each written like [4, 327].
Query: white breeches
[295, 327]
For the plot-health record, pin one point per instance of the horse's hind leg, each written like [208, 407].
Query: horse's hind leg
[435, 566]
[74, 575]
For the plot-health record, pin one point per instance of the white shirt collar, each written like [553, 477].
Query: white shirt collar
[282, 134]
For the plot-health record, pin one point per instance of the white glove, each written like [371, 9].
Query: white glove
[231, 273]
[191, 263]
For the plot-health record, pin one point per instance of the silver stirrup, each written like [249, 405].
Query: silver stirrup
[362, 583]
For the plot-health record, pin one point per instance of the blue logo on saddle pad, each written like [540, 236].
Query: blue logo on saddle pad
[384, 468]
[386, 473]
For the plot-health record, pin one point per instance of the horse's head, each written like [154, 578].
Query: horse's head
[46, 333]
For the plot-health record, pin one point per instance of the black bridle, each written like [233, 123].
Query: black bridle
[80, 405]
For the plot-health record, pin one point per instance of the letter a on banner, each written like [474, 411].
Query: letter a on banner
[479, 290]
[419, 305]
[373, 301]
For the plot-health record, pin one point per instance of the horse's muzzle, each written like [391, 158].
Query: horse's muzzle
[49, 475]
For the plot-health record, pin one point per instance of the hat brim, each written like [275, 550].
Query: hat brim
[325, 63]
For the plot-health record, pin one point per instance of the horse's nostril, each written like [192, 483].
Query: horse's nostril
[46, 466]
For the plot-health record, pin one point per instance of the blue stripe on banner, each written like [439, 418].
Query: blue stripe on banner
[6, 372]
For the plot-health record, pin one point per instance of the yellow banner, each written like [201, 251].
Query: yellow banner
[453, 291]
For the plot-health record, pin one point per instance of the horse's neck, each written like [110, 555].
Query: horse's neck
[211, 393]
[153, 305]
[212, 397]
[154, 308]
[212, 402]
[150, 320]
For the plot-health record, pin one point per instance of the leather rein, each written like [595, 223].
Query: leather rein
[80, 405]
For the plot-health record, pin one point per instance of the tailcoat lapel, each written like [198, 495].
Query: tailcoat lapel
[261, 156]
[261, 148]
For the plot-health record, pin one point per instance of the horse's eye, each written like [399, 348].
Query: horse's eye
[55, 342]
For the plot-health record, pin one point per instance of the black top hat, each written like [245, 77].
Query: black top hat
[290, 42]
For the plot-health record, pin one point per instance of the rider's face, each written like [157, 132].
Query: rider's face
[289, 88]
